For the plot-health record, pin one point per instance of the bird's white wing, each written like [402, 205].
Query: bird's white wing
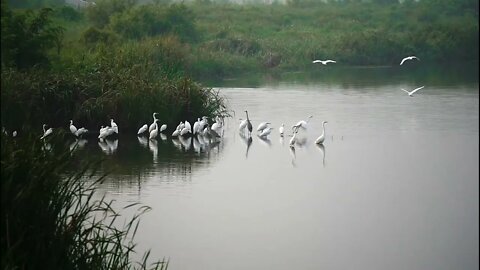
[330, 61]
[415, 90]
[403, 60]
[405, 91]
[316, 61]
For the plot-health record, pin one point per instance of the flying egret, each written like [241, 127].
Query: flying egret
[73, 129]
[152, 125]
[324, 62]
[262, 126]
[413, 91]
[142, 129]
[321, 139]
[302, 123]
[409, 58]
[249, 124]
[46, 132]
[281, 129]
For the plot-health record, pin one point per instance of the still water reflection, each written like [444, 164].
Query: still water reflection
[397, 190]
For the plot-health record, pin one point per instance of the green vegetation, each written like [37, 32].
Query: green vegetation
[52, 221]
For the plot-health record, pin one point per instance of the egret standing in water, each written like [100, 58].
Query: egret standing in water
[302, 123]
[249, 124]
[154, 132]
[152, 126]
[293, 140]
[409, 58]
[73, 129]
[142, 130]
[281, 129]
[321, 139]
[46, 132]
[413, 91]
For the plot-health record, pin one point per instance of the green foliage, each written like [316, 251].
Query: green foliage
[93, 36]
[127, 83]
[100, 13]
[27, 37]
[153, 19]
[50, 219]
[68, 13]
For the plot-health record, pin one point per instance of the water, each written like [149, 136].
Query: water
[395, 185]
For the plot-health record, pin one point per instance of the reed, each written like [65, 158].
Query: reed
[50, 219]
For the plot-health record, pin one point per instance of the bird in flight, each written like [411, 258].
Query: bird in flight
[409, 58]
[325, 62]
[413, 91]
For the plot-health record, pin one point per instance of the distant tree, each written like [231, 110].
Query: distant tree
[27, 37]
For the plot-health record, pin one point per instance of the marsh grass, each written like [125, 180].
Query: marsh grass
[126, 83]
[52, 221]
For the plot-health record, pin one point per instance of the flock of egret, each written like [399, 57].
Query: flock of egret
[263, 129]
[412, 57]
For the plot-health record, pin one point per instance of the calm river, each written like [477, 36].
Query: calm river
[395, 185]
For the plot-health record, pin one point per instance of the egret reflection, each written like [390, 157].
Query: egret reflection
[321, 147]
[143, 141]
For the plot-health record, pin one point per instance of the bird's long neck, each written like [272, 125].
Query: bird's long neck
[247, 115]
[323, 131]
[154, 117]
[43, 128]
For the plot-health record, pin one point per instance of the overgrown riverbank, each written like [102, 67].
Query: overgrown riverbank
[51, 221]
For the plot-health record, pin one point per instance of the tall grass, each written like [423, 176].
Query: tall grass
[127, 83]
[50, 220]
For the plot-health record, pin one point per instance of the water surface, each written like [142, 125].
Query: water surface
[395, 185]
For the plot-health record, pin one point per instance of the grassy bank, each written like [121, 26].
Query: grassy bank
[51, 221]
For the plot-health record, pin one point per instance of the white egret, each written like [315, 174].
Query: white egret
[302, 123]
[176, 133]
[142, 130]
[217, 125]
[242, 125]
[249, 124]
[163, 127]
[114, 126]
[154, 132]
[107, 131]
[81, 131]
[188, 126]
[413, 91]
[14, 134]
[152, 125]
[265, 132]
[184, 131]
[203, 122]
[281, 129]
[409, 58]
[46, 132]
[321, 139]
[294, 137]
[196, 125]
[73, 129]
[262, 126]
[180, 126]
[324, 62]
